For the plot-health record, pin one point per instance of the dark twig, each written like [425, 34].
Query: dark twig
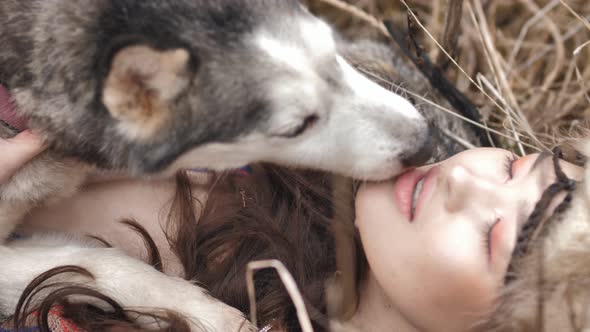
[451, 33]
[455, 97]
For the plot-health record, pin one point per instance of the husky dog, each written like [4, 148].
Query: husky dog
[150, 87]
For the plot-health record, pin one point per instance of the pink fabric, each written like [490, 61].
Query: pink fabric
[56, 323]
[8, 113]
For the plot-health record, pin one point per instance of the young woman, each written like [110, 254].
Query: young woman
[439, 251]
[439, 240]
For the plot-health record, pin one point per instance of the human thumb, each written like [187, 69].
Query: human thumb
[16, 152]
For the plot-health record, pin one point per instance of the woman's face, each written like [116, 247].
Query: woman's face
[439, 238]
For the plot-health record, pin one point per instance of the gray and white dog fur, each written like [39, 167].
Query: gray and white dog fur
[149, 87]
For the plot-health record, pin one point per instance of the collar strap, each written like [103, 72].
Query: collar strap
[8, 113]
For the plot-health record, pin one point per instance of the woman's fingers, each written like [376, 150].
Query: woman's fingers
[16, 152]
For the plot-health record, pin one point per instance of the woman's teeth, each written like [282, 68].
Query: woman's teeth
[416, 194]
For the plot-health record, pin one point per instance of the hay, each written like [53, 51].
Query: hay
[525, 63]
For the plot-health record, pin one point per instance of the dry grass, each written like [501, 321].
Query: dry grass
[525, 63]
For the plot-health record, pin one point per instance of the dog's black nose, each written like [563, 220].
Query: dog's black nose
[422, 154]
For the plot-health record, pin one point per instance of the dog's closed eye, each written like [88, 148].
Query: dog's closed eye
[307, 123]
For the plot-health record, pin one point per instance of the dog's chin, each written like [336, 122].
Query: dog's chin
[364, 171]
[364, 168]
[199, 159]
[377, 173]
[357, 161]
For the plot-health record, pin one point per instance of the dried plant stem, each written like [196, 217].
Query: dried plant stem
[444, 109]
[480, 21]
[579, 75]
[525, 75]
[457, 139]
[558, 39]
[583, 20]
[448, 55]
[495, 65]
[525, 29]
[434, 25]
[290, 286]
[541, 55]
[451, 31]
[479, 87]
[357, 12]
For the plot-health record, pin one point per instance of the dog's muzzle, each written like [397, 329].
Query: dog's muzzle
[422, 152]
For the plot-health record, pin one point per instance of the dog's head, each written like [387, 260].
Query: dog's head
[220, 84]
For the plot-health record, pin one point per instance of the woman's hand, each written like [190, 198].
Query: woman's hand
[16, 152]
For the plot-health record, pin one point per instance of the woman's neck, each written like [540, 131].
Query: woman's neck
[376, 312]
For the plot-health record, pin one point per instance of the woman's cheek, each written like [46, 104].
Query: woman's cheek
[458, 243]
[459, 275]
[458, 249]
[383, 230]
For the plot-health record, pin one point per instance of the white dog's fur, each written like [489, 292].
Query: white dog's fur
[131, 282]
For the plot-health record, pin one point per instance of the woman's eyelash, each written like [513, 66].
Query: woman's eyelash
[487, 235]
[508, 164]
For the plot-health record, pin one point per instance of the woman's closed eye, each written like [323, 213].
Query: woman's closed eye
[508, 163]
[487, 235]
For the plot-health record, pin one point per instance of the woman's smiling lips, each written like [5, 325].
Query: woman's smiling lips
[405, 187]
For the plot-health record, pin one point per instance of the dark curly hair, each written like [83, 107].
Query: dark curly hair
[275, 213]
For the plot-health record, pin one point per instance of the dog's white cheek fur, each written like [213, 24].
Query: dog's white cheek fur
[363, 129]
[364, 134]
[128, 281]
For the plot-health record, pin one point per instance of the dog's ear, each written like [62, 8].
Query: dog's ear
[140, 84]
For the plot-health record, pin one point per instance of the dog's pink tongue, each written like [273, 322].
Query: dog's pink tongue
[8, 113]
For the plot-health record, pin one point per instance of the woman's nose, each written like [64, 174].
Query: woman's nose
[465, 188]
